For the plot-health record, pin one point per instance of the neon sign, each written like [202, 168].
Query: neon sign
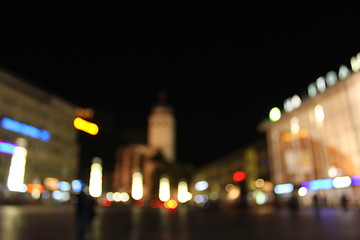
[28, 130]
[7, 148]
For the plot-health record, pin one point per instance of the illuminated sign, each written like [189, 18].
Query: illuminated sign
[27, 130]
[86, 126]
[7, 148]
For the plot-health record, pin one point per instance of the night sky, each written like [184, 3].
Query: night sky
[220, 89]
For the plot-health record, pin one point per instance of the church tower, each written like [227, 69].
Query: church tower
[161, 128]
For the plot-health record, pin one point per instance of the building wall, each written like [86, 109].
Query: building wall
[26, 104]
[251, 159]
[322, 139]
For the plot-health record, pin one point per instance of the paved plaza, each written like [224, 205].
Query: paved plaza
[58, 222]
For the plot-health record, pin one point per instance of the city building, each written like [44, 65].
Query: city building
[314, 144]
[147, 159]
[39, 126]
[242, 173]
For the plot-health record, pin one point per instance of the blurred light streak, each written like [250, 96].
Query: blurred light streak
[341, 182]
[86, 126]
[164, 189]
[7, 148]
[95, 183]
[16, 175]
[27, 130]
[183, 193]
[137, 186]
[284, 188]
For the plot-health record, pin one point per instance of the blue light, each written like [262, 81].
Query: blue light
[355, 180]
[7, 148]
[283, 188]
[76, 185]
[25, 129]
[321, 184]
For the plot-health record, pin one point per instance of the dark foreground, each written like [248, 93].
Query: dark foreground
[58, 222]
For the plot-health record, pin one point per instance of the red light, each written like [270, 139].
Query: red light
[139, 203]
[170, 204]
[106, 202]
[156, 204]
[239, 176]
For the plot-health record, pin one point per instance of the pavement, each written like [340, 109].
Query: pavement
[129, 222]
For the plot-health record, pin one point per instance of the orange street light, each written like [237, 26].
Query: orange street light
[86, 126]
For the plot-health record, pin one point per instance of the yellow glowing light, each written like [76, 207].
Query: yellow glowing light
[95, 183]
[164, 189]
[234, 193]
[137, 186]
[355, 63]
[51, 183]
[86, 126]
[170, 204]
[15, 180]
[259, 183]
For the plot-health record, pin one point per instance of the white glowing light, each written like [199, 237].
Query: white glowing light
[319, 113]
[183, 193]
[302, 191]
[312, 90]
[344, 72]
[137, 186]
[15, 180]
[124, 197]
[110, 196]
[341, 182]
[320, 84]
[201, 185]
[164, 189]
[283, 188]
[260, 197]
[274, 114]
[331, 78]
[95, 183]
[294, 125]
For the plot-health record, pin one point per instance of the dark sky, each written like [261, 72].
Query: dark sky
[221, 88]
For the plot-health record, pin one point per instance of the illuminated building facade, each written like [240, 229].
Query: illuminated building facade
[250, 161]
[318, 136]
[161, 130]
[146, 159]
[44, 121]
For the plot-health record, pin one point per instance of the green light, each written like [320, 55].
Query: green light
[274, 114]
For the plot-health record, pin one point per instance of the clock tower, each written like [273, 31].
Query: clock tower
[161, 128]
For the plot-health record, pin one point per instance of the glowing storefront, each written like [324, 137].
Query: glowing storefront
[318, 136]
[45, 123]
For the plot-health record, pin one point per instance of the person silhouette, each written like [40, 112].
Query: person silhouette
[85, 212]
